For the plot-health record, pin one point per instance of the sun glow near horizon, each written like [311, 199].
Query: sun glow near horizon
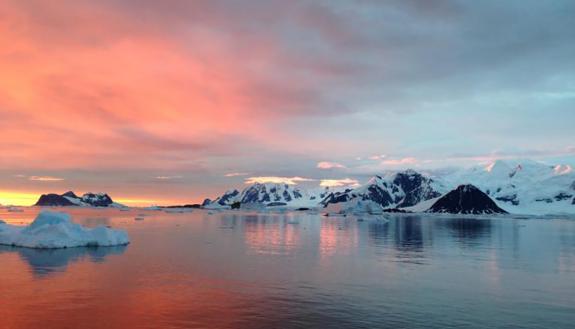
[17, 198]
[11, 198]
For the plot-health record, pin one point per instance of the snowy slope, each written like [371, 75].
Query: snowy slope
[270, 195]
[526, 186]
[401, 189]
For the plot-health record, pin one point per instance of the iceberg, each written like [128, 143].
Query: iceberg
[51, 230]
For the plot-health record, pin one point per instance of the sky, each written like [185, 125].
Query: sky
[162, 102]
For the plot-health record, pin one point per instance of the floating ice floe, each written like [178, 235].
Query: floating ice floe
[52, 230]
[14, 209]
[354, 206]
[177, 210]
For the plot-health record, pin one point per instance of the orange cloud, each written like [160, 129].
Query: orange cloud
[45, 178]
[339, 182]
[236, 174]
[87, 84]
[399, 162]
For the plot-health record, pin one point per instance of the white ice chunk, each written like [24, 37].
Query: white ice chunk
[56, 230]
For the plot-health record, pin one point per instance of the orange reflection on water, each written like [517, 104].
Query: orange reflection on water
[271, 235]
[337, 235]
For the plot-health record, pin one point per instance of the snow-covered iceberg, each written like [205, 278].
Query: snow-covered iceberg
[56, 230]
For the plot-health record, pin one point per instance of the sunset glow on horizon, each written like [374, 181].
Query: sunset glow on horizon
[171, 102]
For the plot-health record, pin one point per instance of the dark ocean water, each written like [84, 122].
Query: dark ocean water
[296, 270]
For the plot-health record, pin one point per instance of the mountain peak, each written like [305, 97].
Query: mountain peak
[71, 199]
[70, 194]
[399, 189]
[466, 199]
[498, 167]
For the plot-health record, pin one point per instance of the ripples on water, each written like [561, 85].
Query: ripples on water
[296, 270]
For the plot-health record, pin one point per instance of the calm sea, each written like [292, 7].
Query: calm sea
[296, 270]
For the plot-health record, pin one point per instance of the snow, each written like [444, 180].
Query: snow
[422, 206]
[393, 190]
[259, 195]
[52, 230]
[90, 199]
[534, 186]
[524, 187]
[76, 201]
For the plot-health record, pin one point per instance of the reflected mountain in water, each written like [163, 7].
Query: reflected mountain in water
[469, 228]
[46, 262]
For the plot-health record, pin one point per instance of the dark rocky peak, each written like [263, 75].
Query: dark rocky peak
[206, 202]
[409, 180]
[71, 194]
[53, 200]
[466, 199]
[416, 187]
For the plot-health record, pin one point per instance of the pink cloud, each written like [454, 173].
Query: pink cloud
[400, 162]
[140, 91]
[330, 165]
[377, 157]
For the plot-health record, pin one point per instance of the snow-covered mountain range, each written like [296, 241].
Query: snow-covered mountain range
[521, 187]
[269, 195]
[71, 199]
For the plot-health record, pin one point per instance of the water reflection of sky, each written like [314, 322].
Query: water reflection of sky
[237, 270]
[45, 262]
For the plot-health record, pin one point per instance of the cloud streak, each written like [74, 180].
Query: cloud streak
[277, 180]
[168, 177]
[45, 179]
[236, 174]
[326, 165]
[339, 182]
